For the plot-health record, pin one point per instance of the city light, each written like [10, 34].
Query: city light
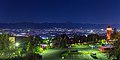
[59, 30]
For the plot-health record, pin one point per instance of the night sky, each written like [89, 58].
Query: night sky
[59, 11]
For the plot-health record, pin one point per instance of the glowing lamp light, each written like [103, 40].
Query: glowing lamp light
[93, 52]
[62, 57]
[17, 44]
[109, 28]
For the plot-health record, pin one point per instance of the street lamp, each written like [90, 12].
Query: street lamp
[17, 44]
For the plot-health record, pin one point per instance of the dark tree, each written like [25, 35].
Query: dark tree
[93, 38]
[115, 52]
[61, 41]
[83, 39]
[76, 39]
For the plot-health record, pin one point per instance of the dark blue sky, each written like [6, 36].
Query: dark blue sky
[80, 11]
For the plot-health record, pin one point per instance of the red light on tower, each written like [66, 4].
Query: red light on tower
[109, 32]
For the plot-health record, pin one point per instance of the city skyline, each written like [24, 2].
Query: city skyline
[60, 11]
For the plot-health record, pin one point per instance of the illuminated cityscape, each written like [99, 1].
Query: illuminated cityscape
[59, 30]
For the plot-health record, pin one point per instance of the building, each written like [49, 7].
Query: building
[109, 32]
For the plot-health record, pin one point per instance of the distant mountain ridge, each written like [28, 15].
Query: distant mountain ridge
[26, 25]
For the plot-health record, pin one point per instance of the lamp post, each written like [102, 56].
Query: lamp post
[18, 52]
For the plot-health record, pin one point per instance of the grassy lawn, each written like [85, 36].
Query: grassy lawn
[86, 51]
[54, 54]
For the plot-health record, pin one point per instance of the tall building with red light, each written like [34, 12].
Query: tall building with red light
[109, 32]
